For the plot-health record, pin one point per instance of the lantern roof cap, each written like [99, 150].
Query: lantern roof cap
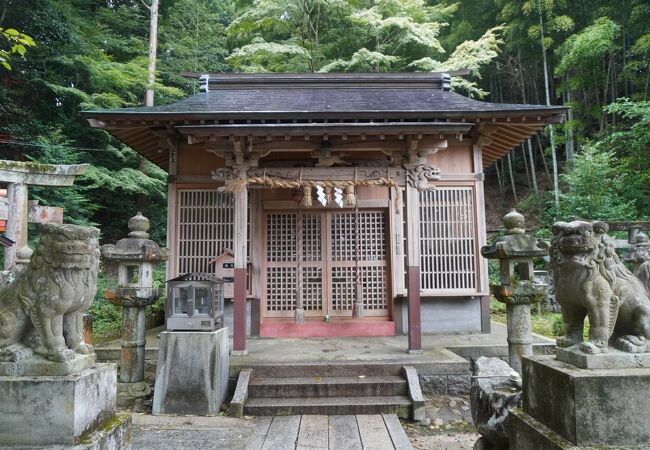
[137, 247]
[197, 276]
[515, 243]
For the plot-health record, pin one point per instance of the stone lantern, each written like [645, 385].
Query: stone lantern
[517, 289]
[639, 251]
[136, 257]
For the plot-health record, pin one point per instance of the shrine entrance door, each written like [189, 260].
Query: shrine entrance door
[327, 259]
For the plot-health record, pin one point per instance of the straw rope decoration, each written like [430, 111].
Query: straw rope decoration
[278, 183]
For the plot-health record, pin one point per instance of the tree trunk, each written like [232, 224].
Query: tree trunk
[570, 149]
[523, 152]
[556, 183]
[153, 44]
[541, 152]
[512, 179]
[141, 199]
[533, 173]
[499, 180]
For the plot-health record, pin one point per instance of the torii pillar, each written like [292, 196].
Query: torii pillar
[18, 212]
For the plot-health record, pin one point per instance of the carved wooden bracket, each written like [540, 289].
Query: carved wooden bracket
[419, 175]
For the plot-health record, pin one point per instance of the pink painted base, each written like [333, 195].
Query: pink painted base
[327, 329]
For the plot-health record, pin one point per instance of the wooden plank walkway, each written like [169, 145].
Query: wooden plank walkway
[311, 432]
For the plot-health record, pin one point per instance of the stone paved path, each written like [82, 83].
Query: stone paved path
[371, 432]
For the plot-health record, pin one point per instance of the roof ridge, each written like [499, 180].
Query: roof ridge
[431, 80]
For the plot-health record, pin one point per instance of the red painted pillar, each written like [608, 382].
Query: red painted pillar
[239, 312]
[413, 268]
[240, 245]
[415, 330]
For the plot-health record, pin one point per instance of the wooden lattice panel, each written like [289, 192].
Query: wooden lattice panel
[280, 288]
[372, 261]
[312, 288]
[311, 238]
[372, 231]
[281, 237]
[342, 288]
[328, 248]
[374, 288]
[447, 239]
[205, 228]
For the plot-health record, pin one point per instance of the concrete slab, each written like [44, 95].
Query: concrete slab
[467, 345]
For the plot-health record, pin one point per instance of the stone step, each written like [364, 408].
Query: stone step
[335, 369]
[389, 404]
[358, 386]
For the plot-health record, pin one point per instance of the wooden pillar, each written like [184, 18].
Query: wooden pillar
[241, 251]
[481, 230]
[413, 269]
[172, 216]
[16, 221]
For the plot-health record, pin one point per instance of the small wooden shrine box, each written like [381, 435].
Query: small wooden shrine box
[224, 268]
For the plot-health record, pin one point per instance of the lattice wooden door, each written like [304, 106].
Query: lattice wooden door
[372, 263]
[328, 265]
[282, 264]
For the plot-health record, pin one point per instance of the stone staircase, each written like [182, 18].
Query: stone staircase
[335, 389]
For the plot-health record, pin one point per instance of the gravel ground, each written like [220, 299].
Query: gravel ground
[448, 425]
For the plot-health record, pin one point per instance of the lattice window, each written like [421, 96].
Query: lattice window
[312, 288]
[373, 281]
[342, 288]
[311, 238]
[281, 237]
[372, 230]
[205, 228]
[281, 288]
[447, 239]
[374, 290]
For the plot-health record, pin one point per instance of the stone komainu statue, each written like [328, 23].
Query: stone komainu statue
[42, 309]
[591, 280]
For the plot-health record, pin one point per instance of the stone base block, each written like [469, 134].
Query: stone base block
[132, 395]
[40, 411]
[114, 434]
[192, 375]
[613, 359]
[605, 407]
[37, 366]
[528, 434]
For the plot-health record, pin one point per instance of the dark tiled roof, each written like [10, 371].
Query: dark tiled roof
[322, 101]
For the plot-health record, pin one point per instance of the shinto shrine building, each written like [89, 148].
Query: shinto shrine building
[347, 204]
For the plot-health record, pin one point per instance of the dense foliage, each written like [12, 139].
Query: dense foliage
[71, 55]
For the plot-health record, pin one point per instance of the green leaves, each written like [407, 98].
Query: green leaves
[18, 43]
[589, 46]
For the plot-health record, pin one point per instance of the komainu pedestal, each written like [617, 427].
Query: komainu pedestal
[592, 393]
[565, 406]
[52, 394]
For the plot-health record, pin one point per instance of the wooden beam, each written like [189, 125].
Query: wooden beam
[319, 129]
[398, 174]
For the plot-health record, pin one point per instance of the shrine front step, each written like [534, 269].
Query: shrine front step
[356, 392]
[277, 406]
[358, 386]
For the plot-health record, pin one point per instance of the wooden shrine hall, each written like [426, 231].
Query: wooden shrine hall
[348, 204]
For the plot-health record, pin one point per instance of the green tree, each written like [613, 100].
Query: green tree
[597, 187]
[16, 42]
[337, 36]
[192, 36]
